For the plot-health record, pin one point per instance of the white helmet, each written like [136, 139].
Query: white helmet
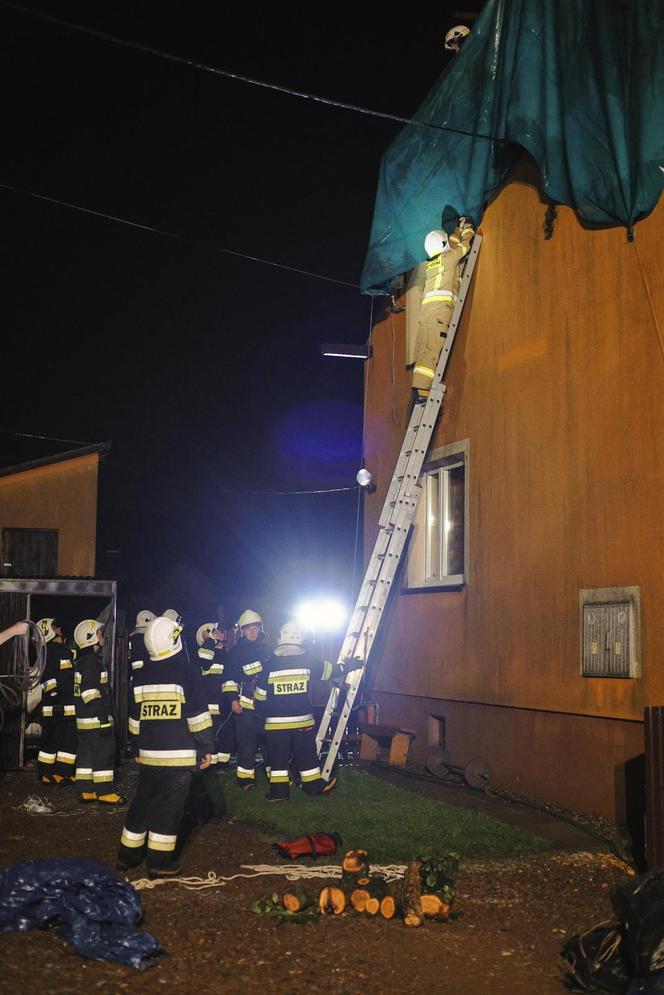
[87, 632]
[455, 37]
[143, 618]
[162, 638]
[249, 617]
[290, 641]
[436, 242]
[45, 626]
[204, 632]
[173, 614]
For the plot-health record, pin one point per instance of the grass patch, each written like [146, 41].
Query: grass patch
[391, 823]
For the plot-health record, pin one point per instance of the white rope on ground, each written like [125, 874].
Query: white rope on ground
[294, 872]
[34, 805]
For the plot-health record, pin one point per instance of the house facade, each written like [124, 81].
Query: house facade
[526, 628]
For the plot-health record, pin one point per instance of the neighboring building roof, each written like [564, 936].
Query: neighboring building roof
[98, 447]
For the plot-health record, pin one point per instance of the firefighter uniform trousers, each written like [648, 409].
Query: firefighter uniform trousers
[169, 726]
[57, 753]
[284, 697]
[211, 658]
[95, 760]
[298, 746]
[438, 300]
[242, 672]
[247, 728]
[154, 817]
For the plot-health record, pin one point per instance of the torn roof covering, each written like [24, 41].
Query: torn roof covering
[579, 85]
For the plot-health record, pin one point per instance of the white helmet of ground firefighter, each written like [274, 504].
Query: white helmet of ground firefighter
[86, 632]
[290, 634]
[249, 617]
[455, 37]
[45, 626]
[436, 242]
[204, 631]
[143, 618]
[162, 638]
[173, 614]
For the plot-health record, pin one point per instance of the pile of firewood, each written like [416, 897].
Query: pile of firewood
[426, 891]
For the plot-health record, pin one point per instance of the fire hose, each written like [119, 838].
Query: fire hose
[22, 674]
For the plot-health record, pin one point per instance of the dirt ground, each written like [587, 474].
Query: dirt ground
[515, 915]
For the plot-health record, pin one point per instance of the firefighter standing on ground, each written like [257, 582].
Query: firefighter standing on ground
[244, 665]
[57, 755]
[94, 719]
[171, 730]
[439, 296]
[137, 652]
[284, 696]
[211, 642]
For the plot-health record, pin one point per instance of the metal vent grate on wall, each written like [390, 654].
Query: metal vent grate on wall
[610, 632]
[606, 640]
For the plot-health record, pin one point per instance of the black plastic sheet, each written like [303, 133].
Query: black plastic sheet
[94, 909]
[639, 904]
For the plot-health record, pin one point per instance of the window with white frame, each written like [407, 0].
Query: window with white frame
[438, 554]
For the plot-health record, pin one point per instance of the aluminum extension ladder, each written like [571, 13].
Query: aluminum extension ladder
[394, 525]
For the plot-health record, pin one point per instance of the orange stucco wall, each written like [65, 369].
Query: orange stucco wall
[557, 381]
[60, 496]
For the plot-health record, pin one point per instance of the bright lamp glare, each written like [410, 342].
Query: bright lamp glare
[322, 614]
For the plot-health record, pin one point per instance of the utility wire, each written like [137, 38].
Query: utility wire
[170, 234]
[324, 490]
[204, 67]
[46, 438]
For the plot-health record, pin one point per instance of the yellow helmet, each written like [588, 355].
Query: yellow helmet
[291, 639]
[436, 242]
[87, 632]
[249, 617]
[203, 632]
[162, 638]
[143, 618]
[46, 627]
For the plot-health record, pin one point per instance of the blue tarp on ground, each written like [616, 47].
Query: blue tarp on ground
[94, 909]
[579, 85]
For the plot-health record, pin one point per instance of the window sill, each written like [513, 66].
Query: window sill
[454, 583]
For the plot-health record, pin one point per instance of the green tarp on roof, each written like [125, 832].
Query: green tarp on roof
[578, 83]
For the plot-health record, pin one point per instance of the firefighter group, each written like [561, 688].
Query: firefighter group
[188, 713]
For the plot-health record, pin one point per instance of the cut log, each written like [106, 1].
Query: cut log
[372, 907]
[433, 907]
[356, 862]
[332, 899]
[412, 905]
[359, 898]
[388, 907]
[299, 898]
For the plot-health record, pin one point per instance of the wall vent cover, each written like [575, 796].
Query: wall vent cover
[610, 632]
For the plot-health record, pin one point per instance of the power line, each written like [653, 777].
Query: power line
[204, 67]
[170, 234]
[46, 438]
[324, 490]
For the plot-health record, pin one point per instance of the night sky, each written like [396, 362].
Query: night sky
[203, 369]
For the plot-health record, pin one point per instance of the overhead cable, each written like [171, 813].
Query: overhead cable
[204, 67]
[323, 490]
[170, 234]
[46, 438]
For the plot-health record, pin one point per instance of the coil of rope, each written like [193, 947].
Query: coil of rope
[21, 674]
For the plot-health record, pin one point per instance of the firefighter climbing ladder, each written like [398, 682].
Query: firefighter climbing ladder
[394, 525]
